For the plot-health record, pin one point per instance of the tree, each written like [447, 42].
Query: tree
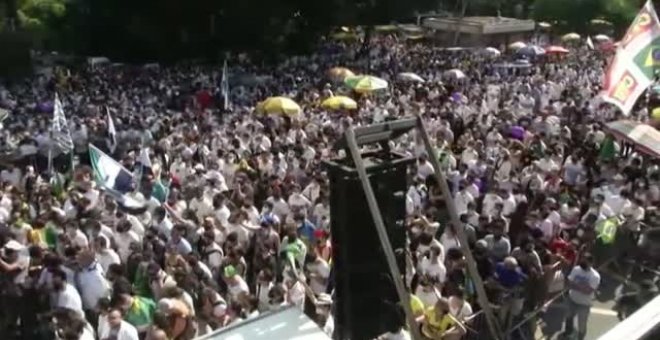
[575, 15]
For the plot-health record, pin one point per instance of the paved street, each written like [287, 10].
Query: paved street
[602, 317]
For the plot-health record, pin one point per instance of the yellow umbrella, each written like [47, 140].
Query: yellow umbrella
[279, 105]
[340, 73]
[339, 103]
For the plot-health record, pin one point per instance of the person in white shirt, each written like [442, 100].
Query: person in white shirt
[12, 175]
[105, 255]
[461, 201]
[115, 328]
[583, 281]
[221, 211]
[318, 272]
[424, 167]
[312, 190]
[280, 206]
[91, 281]
[77, 237]
[491, 199]
[124, 237]
[297, 201]
[432, 265]
[64, 294]
[162, 222]
[237, 287]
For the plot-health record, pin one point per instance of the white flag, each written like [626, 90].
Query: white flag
[224, 87]
[112, 133]
[60, 128]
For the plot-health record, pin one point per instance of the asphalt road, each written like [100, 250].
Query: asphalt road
[601, 319]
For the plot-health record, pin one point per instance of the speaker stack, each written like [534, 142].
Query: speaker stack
[364, 289]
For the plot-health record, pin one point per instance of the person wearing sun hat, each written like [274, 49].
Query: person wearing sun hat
[237, 288]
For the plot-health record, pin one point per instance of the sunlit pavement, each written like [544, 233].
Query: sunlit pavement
[601, 319]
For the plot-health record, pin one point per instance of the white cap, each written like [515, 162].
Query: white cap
[14, 245]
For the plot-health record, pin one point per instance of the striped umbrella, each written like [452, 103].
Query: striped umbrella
[365, 84]
[645, 137]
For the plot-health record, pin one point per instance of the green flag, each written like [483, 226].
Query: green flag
[606, 229]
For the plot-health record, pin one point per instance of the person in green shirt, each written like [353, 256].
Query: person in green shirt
[138, 311]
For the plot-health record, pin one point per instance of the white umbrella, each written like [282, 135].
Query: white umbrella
[602, 37]
[517, 45]
[570, 36]
[455, 73]
[411, 77]
[492, 51]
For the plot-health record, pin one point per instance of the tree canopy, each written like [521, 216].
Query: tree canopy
[173, 29]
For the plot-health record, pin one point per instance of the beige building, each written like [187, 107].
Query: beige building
[480, 31]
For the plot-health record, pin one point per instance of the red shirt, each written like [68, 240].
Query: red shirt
[559, 246]
[204, 99]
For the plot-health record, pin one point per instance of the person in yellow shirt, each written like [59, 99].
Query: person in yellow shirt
[438, 324]
[416, 305]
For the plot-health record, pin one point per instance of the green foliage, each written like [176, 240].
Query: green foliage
[38, 14]
[575, 15]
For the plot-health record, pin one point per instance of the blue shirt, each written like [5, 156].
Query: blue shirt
[183, 247]
[508, 278]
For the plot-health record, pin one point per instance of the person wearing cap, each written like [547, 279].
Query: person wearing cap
[237, 288]
[181, 324]
[509, 278]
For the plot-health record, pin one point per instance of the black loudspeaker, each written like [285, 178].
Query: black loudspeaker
[364, 289]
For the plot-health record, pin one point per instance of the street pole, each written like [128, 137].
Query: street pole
[458, 228]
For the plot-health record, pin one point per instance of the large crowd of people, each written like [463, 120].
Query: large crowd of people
[236, 219]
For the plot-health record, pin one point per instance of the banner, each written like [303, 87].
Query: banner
[632, 70]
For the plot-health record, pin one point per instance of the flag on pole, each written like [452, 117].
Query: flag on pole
[632, 70]
[112, 133]
[60, 128]
[142, 166]
[108, 172]
[224, 88]
[3, 115]
[590, 44]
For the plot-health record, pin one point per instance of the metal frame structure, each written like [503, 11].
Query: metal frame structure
[381, 134]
